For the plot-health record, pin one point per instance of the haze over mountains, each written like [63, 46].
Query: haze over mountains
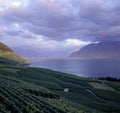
[108, 49]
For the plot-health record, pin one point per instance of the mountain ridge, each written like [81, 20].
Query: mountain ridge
[109, 49]
[7, 56]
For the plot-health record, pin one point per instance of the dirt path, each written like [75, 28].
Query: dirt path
[101, 86]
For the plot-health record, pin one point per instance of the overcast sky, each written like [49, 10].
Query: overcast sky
[55, 28]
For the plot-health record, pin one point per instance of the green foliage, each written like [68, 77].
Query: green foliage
[36, 90]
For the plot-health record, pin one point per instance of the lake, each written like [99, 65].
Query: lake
[82, 67]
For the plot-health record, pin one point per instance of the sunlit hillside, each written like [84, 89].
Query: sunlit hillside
[7, 56]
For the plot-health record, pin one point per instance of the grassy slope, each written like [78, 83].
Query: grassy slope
[35, 90]
[12, 58]
[8, 56]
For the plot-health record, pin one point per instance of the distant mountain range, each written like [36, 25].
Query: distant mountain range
[99, 50]
[7, 56]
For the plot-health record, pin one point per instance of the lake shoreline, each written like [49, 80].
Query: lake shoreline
[82, 67]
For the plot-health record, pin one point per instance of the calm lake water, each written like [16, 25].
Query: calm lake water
[82, 67]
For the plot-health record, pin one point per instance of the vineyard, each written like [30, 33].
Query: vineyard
[36, 90]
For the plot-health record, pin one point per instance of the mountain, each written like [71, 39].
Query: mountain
[7, 56]
[99, 50]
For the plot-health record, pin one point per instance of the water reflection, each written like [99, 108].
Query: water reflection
[82, 67]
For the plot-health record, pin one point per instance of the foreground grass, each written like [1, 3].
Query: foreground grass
[35, 90]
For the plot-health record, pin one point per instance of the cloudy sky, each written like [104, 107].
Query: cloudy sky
[55, 28]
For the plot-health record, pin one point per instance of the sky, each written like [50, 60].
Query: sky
[56, 28]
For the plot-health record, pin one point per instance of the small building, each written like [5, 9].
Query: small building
[66, 89]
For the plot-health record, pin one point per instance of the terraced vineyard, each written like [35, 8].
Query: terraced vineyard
[35, 90]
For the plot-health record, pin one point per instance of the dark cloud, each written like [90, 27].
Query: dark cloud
[90, 20]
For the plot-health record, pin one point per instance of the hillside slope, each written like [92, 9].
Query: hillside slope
[7, 56]
[99, 50]
[36, 90]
